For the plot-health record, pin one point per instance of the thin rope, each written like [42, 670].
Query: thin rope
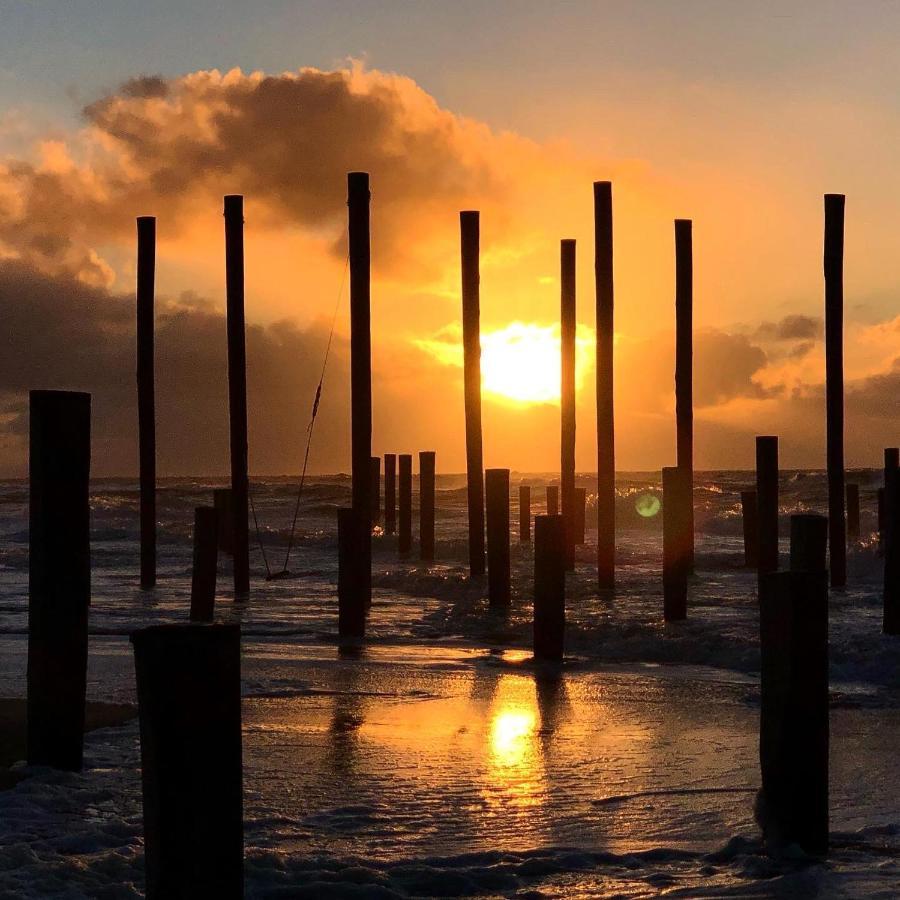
[259, 539]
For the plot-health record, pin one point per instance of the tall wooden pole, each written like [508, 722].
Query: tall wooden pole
[684, 355]
[237, 389]
[469, 226]
[606, 461]
[146, 272]
[834, 384]
[361, 366]
[567, 318]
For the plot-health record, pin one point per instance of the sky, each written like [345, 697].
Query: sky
[737, 116]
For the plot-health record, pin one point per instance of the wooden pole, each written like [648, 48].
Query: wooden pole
[767, 502]
[390, 493]
[375, 497]
[469, 226]
[203, 576]
[580, 514]
[426, 504]
[676, 542]
[552, 500]
[496, 483]
[146, 273]
[891, 464]
[809, 540]
[606, 462]
[568, 325]
[524, 513]
[404, 536]
[59, 576]
[750, 519]
[189, 702]
[891, 621]
[360, 367]
[549, 588]
[237, 390]
[354, 533]
[684, 355]
[834, 383]
[853, 512]
[225, 509]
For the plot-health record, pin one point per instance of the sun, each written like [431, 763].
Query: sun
[521, 362]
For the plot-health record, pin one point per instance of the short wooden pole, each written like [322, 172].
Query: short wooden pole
[237, 390]
[426, 504]
[470, 237]
[390, 493]
[750, 520]
[354, 532]
[496, 484]
[203, 577]
[684, 359]
[606, 455]
[568, 325]
[404, 518]
[809, 541]
[225, 509]
[891, 620]
[767, 502]
[59, 576]
[524, 513]
[676, 542]
[146, 273]
[375, 464]
[549, 588]
[189, 701]
[891, 464]
[853, 512]
[834, 384]
[580, 514]
[552, 500]
[360, 369]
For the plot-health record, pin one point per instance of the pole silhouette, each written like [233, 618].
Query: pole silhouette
[426, 504]
[146, 274]
[237, 390]
[606, 452]
[496, 484]
[684, 355]
[834, 384]
[375, 487]
[524, 513]
[552, 499]
[567, 318]
[676, 542]
[469, 226]
[404, 490]
[390, 493]
[203, 576]
[360, 368]
[549, 588]
[750, 521]
[767, 503]
[59, 576]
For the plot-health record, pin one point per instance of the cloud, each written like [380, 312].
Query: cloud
[792, 328]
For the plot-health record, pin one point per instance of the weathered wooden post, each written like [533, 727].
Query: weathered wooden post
[404, 535]
[146, 274]
[853, 512]
[189, 701]
[59, 576]
[524, 513]
[891, 464]
[390, 493]
[606, 448]
[552, 500]
[568, 325]
[496, 483]
[426, 504]
[360, 367]
[237, 390]
[469, 227]
[767, 502]
[891, 621]
[203, 577]
[549, 588]
[676, 542]
[684, 356]
[580, 514]
[375, 467]
[794, 693]
[834, 383]
[750, 520]
[225, 509]
[354, 533]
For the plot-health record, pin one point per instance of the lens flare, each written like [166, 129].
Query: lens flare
[647, 505]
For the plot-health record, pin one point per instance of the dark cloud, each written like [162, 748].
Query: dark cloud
[792, 328]
[71, 336]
